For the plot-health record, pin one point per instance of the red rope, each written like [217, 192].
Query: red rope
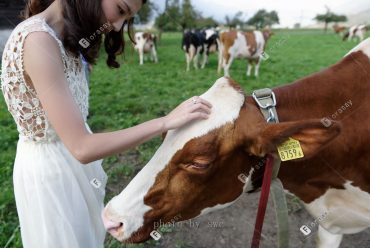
[265, 192]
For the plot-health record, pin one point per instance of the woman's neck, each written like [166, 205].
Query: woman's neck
[54, 17]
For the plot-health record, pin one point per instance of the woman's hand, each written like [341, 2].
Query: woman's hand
[194, 108]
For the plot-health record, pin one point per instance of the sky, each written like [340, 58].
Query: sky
[290, 11]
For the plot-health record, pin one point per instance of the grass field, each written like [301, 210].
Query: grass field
[134, 94]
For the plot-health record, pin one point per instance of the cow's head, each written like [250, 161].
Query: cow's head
[197, 168]
[267, 33]
[144, 41]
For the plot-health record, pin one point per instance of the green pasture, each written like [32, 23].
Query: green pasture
[134, 94]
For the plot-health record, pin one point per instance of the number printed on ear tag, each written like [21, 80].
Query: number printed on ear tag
[290, 149]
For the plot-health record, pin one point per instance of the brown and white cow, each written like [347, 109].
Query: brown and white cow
[358, 31]
[146, 43]
[196, 168]
[238, 44]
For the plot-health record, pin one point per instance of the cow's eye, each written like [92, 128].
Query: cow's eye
[200, 166]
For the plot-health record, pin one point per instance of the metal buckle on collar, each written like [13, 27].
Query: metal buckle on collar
[257, 97]
[266, 100]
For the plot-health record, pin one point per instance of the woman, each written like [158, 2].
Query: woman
[58, 179]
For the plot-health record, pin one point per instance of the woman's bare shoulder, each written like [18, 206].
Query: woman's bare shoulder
[42, 48]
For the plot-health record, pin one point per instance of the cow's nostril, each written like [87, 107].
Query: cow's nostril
[116, 228]
[111, 225]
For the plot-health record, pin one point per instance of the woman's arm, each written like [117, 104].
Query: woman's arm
[43, 63]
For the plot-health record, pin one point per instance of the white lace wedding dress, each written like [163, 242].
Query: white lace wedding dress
[58, 199]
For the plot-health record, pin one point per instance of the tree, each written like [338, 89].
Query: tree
[189, 15]
[145, 13]
[168, 20]
[234, 21]
[264, 18]
[208, 22]
[272, 18]
[329, 17]
[176, 17]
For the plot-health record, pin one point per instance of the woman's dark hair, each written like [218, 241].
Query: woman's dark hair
[82, 20]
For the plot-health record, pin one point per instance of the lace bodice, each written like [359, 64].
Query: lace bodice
[19, 93]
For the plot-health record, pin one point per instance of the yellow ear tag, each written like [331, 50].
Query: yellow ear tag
[290, 149]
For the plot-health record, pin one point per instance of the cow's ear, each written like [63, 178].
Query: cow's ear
[313, 135]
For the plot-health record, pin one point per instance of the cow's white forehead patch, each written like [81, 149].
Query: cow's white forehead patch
[226, 102]
[129, 205]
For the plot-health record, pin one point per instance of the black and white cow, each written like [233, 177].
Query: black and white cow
[197, 43]
[210, 44]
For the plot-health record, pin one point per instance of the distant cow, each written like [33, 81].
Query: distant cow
[356, 31]
[237, 44]
[339, 29]
[210, 44]
[197, 168]
[146, 43]
[197, 43]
